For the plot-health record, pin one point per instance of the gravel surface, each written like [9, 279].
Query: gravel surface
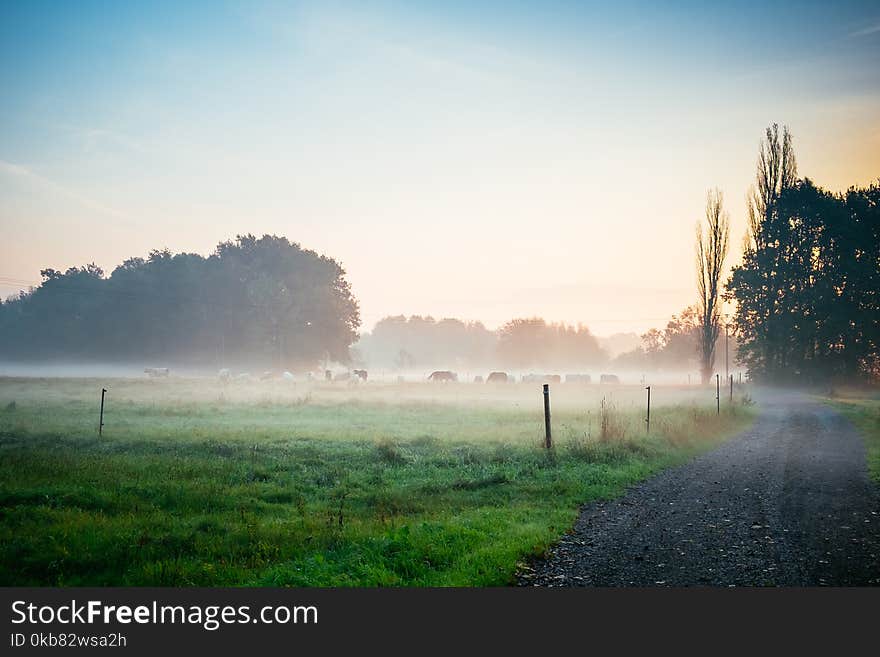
[786, 503]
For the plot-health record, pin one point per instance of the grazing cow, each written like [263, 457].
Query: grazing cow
[361, 374]
[443, 376]
[498, 377]
[608, 378]
[156, 371]
[577, 378]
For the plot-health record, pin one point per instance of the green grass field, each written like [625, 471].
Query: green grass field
[863, 409]
[197, 483]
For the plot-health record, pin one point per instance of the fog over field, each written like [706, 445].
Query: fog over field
[209, 481]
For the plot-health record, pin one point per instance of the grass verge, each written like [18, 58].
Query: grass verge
[864, 413]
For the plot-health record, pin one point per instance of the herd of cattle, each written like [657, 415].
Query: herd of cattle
[443, 376]
[327, 375]
[356, 376]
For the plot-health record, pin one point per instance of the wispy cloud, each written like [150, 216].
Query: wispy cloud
[870, 29]
[14, 169]
[20, 171]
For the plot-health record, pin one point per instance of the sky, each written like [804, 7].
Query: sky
[481, 160]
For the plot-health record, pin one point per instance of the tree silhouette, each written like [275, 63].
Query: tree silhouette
[777, 171]
[711, 251]
[808, 306]
[258, 302]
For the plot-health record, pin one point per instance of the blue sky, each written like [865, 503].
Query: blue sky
[481, 160]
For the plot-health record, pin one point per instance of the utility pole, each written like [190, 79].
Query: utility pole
[648, 416]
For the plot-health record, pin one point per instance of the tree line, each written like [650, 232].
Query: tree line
[808, 290]
[806, 302]
[417, 342]
[402, 343]
[266, 302]
[807, 293]
[254, 301]
[676, 347]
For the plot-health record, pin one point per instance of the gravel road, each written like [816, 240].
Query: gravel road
[786, 503]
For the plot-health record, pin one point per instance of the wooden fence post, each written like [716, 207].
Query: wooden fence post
[548, 442]
[101, 421]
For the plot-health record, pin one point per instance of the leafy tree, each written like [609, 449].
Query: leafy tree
[817, 265]
[673, 348]
[256, 302]
[776, 171]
